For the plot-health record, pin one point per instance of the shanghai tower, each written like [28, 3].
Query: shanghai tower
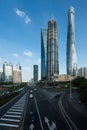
[52, 49]
[71, 49]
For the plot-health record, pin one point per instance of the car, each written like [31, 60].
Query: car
[31, 91]
[31, 95]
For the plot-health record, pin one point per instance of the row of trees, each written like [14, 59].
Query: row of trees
[81, 84]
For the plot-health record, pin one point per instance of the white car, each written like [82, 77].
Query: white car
[31, 95]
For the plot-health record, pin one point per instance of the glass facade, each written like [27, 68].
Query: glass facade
[71, 49]
[7, 72]
[35, 73]
[52, 49]
[43, 53]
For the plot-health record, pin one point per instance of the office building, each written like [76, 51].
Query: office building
[1, 77]
[71, 47]
[7, 72]
[43, 53]
[17, 76]
[52, 49]
[85, 72]
[35, 73]
[82, 72]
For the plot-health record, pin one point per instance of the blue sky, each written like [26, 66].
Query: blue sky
[20, 38]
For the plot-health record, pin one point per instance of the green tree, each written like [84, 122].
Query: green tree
[80, 83]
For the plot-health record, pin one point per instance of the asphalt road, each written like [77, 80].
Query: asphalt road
[53, 113]
[48, 117]
[77, 117]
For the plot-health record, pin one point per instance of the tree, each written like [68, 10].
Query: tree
[80, 83]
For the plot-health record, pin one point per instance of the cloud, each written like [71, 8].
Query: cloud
[15, 55]
[28, 53]
[19, 12]
[27, 20]
[22, 14]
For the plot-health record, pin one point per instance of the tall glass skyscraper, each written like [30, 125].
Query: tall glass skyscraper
[71, 49]
[43, 53]
[52, 49]
[35, 73]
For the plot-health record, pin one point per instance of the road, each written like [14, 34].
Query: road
[53, 113]
[43, 111]
[48, 117]
[77, 118]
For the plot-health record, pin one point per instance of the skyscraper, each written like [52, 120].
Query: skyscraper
[52, 49]
[35, 73]
[43, 53]
[71, 49]
[7, 72]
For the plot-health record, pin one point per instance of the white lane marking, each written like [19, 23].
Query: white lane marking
[66, 115]
[7, 119]
[20, 105]
[14, 112]
[31, 127]
[38, 114]
[12, 116]
[17, 108]
[21, 101]
[9, 125]
[52, 127]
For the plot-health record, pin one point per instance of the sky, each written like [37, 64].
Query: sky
[20, 32]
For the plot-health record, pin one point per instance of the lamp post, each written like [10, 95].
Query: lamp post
[70, 88]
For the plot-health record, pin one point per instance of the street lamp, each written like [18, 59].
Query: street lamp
[70, 88]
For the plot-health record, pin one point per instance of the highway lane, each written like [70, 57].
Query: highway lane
[53, 113]
[50, 116]
[31, 107]
[78, 119]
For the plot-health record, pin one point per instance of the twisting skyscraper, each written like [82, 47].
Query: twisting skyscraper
[52, 49]
[71, 49]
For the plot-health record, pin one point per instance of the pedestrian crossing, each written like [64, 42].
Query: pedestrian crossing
[11, 120]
